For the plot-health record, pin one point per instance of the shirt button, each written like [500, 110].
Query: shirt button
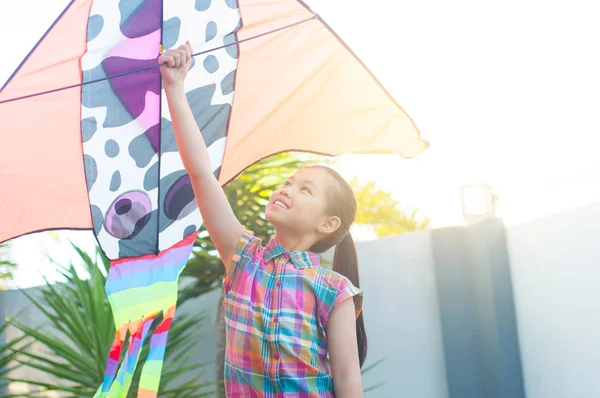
[278, 283]
[276, 320]
[276, 356]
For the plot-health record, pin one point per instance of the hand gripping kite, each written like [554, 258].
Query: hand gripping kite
[86, 140]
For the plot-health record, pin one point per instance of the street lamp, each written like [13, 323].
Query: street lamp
[478, 202]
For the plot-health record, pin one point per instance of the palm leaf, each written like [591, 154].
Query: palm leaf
[8, 354]
[77, 333]
[370, 368]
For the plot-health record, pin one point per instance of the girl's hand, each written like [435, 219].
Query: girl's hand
[179, 61]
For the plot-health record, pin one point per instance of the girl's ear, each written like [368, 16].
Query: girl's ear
[329, 225]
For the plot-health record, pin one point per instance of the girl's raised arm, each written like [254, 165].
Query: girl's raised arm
[221, 223]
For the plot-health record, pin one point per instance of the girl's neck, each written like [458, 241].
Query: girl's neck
[293, 243]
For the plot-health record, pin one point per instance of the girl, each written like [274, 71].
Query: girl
[293, 327]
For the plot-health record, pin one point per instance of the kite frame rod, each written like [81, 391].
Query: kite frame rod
[315, 16]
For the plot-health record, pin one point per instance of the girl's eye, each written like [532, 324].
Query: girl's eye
[306, 189]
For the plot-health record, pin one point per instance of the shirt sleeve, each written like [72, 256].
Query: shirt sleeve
[333, 290]
[244, 251]
[347, 290]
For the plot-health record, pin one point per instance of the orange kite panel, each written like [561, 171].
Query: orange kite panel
[304, 82]
[42, 179]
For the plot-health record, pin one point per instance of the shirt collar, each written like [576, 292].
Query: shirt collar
[300, 259]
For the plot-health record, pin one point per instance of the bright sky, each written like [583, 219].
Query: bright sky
[507, 93]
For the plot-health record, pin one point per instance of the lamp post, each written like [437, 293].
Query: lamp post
[478, 202]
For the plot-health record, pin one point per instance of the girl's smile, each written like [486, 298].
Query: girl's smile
[280, 203]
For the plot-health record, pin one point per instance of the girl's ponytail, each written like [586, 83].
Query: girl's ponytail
[345, 262]
[342, 204]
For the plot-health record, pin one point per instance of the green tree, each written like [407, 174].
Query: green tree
[7, 266]
[248, 195]
[380, 211]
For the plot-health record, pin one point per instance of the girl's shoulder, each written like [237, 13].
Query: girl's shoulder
[332, 277]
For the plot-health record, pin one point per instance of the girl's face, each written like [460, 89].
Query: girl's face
[299, 206]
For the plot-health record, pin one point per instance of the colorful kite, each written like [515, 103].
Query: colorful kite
[86, 140]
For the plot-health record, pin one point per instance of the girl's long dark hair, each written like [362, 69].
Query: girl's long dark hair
[342, 204]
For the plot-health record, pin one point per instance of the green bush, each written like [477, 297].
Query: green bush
[73, 346]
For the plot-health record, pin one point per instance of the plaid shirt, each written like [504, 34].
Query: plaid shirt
[276, 308]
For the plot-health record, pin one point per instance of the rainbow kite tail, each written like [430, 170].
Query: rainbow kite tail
[150, 377]
[139, 289]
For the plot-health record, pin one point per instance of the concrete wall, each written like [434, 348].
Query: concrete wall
[11, 303]
[555, 265]
[402, 317]
[477, 312]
